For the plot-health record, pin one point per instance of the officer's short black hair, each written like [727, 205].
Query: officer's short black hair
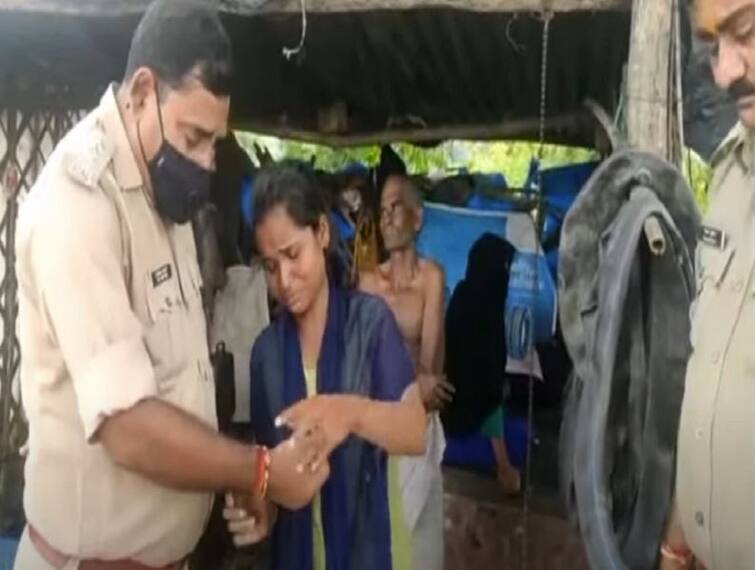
[176, 38]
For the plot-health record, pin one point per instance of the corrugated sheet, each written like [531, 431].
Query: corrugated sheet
[363, 73]
[358, 73]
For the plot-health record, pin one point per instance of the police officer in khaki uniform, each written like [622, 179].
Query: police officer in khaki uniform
[714, 525]
[124, 456]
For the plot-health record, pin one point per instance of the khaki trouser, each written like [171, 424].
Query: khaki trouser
[29, 558]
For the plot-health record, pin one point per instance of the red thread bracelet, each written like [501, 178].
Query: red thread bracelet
[680, 556]
[263, 465]
[266, 483]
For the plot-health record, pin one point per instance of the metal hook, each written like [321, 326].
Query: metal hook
[288, 53]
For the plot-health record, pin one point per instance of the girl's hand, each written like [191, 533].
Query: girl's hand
[334, 416]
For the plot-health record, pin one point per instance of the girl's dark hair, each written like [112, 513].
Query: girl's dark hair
[294, 186]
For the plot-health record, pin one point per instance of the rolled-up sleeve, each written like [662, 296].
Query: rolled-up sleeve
[77, 263]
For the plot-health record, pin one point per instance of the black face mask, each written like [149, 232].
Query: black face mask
[180, 186]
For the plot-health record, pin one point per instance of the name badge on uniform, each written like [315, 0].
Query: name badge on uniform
[161, 274]
[713, 237]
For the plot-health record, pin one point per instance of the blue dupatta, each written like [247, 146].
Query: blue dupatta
[329, 381]
[362, 353]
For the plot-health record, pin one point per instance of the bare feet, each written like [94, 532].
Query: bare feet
[510, 480]
[508, 476]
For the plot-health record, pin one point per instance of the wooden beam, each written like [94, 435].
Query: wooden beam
[468, 5]
[251, 7]
[515, 129]
[648, 77]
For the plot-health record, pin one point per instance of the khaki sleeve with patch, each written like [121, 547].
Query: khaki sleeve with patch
[76, 258]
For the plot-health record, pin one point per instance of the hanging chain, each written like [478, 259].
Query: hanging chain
[546, 18]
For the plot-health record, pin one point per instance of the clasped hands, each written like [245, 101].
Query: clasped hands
[298, 466]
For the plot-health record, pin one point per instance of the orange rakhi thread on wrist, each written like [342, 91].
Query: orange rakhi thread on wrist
[263, 472]
[681, 556]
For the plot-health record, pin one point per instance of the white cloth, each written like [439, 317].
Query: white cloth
[241, 314]
[428, 542]
[416, 474]
[526, 367]
[421, 484]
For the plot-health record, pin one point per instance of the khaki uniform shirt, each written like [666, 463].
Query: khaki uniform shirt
[716, 454]
[110, 314]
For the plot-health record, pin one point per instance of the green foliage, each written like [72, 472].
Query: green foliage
[424, 160]
[698, 175]
[418, 160]
[510, 158]
[513, 158]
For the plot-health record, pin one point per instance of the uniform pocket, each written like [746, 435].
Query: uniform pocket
[712, 265]
[163, 335]
[711, 268]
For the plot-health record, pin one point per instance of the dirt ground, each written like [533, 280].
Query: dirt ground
[485, 529]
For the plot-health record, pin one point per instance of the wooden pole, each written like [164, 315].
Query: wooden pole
[649, 81]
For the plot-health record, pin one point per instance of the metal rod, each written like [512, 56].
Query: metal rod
[654, 236]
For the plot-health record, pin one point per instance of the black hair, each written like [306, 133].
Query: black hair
[176, 38]
[390, 164]
[294, 186]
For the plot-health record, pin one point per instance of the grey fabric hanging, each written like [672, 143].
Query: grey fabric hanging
[626, 282]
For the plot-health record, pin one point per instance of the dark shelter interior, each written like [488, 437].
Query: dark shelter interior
[375, 73]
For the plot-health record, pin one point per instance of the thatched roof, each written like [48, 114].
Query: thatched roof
[369, 70]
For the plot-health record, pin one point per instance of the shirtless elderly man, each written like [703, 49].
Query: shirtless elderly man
[414, 288]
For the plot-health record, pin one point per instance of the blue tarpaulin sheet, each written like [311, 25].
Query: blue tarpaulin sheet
[475, 451]
[531, 286]
[531, 306]
[561, 185]
[447, 236]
